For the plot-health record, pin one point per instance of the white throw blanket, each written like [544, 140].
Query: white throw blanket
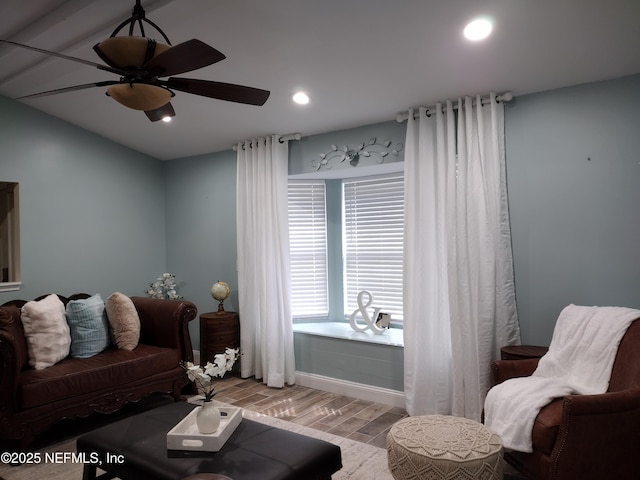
[579, 361]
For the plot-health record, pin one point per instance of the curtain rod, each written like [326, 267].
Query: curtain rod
[282, 139]
[505, 97]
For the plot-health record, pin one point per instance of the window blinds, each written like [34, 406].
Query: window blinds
[308, 249]
[373, 226]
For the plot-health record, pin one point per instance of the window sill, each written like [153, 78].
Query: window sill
[393, 336]
[10, 286]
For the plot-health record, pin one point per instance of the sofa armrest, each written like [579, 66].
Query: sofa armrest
[502, 370]
[596, 427]
[12, 356]
[165, 323]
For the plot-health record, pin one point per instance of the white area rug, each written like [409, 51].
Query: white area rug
[360, 461]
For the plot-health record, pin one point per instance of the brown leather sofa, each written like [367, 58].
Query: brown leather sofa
[31, 400]
[585, 437]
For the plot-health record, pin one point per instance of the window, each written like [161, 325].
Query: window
[308, 249]
[373, 234]
[9, 237]
[349, 235]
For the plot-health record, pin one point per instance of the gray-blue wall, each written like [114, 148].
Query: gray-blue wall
[573, 170]
[92, 212]
[201, 229]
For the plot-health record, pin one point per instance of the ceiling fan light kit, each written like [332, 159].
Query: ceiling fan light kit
[140, 96]
[141, 62]
[129, 52]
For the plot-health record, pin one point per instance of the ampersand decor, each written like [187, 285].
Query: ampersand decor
[362, 309]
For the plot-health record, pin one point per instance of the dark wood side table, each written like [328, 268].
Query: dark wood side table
[219, 330]
[519, 352]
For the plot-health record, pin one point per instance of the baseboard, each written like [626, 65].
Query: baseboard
[385, 396]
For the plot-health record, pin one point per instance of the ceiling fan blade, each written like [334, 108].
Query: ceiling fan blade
[221, 91]
[70, 89]
[184, 57]
[66, 57]
[160, 113]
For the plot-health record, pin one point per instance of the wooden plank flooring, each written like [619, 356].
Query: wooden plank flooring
[360, 420]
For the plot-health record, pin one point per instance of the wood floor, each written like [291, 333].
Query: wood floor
[360, 420]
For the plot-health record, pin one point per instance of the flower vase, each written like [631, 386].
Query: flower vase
[208, 418]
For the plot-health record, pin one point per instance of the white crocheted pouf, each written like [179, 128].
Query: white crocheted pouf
[444, 448]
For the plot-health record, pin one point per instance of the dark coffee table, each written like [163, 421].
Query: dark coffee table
[136, 448]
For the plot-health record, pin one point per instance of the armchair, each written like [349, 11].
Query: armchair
[585, 437]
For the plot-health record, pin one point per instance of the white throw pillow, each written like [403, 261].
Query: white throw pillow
[46, 330]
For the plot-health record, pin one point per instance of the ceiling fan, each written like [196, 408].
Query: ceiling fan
[141, 64]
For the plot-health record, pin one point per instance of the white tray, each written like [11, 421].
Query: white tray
[185, 435]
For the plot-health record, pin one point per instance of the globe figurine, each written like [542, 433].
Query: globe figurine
[220, 291]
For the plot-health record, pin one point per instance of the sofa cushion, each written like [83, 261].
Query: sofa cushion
[46, 330]
[79, 376]
[124, 321]
[546, 427]
[87, 321]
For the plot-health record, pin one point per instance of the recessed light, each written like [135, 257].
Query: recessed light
[300, 98]
[166, 119]
[478, 29]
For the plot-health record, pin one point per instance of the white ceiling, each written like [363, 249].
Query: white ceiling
[361, 61]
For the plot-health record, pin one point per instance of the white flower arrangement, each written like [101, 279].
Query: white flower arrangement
[164, 287]
[203, 376]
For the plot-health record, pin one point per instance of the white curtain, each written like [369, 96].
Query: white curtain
[266, 332]
[459, 299]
